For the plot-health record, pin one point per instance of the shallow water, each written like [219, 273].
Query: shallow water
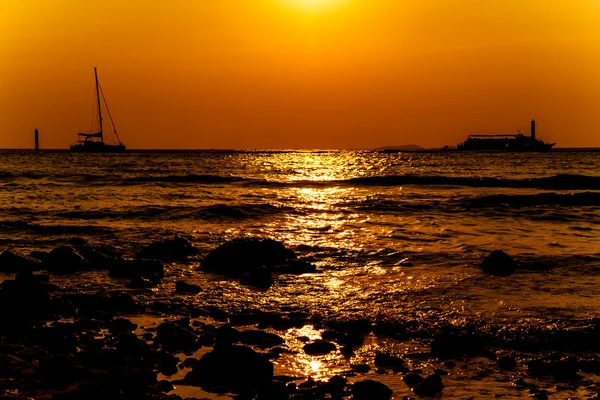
[395, 236]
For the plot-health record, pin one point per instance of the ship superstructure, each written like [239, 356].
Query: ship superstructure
[510, 142]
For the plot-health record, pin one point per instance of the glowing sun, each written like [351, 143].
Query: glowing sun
[315, 5]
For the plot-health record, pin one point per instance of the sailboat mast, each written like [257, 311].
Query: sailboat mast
[99, 108]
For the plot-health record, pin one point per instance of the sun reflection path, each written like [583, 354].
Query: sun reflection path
[324, 220]
[316, 367]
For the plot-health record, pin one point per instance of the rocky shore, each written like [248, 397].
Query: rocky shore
[59, 342]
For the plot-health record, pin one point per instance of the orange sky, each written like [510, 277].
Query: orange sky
[300, 73]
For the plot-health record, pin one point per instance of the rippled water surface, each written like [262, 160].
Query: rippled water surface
[394, 235]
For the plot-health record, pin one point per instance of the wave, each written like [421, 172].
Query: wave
[189, 178]
[385, 205]
[243, 211]
[556, 182]
[486, 204]
[170, 213]
[540, 199]
[11, 226]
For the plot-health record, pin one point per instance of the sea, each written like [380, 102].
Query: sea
[395, 236]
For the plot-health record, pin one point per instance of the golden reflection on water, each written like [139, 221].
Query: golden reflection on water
[306, 331]
[323, 221]
[321, 167]
[302, 364]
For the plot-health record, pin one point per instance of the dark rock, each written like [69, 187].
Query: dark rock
[22, 300]
[390, 329]
[260, 339]
[412, 380]
[331, 335]
[61, 369]
[498, 263]
[556, 366]
[507, 362]
[27, 282]
[40, 255]
[361, 368]
[243, 255]
[297, 319]
[181, 286]
[351, 340]
[276, 321]
[13, 262]
[121, 325]
[164, 386]
[260, 277]
[307, 384]
[235, 368]
[29, 277]
[135, 380]
[351, 326]
[101, 257]
[277, 390]
[77, 241]
[430, 386]
[276, 352]
[66, 259]
[167, 363]
[347, 350]
[132, 269]
[93, 304]
[370, 390]
[247, 317]
[174, 337]
[227, 335]
[189, 362]
[387, 361]
[295, 266]
[184, 322]
[448, 346]
[176, 249]
[591, 365]
[449, 363]
[141, 283]
[129, 345]
[319, 347]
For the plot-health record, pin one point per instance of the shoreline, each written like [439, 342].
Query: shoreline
[123, 341]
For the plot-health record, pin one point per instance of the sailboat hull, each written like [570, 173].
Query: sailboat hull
[97, 147]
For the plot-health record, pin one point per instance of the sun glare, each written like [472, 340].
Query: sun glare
[314, 5]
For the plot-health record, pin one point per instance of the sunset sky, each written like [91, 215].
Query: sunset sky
[300, 73]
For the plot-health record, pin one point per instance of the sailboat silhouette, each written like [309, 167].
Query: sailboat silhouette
[94, 142]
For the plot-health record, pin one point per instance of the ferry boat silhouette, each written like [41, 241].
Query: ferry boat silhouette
[518, 142]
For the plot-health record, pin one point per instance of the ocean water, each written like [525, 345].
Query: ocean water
[396, 237]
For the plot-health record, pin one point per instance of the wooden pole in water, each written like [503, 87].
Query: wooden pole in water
[37, 141]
